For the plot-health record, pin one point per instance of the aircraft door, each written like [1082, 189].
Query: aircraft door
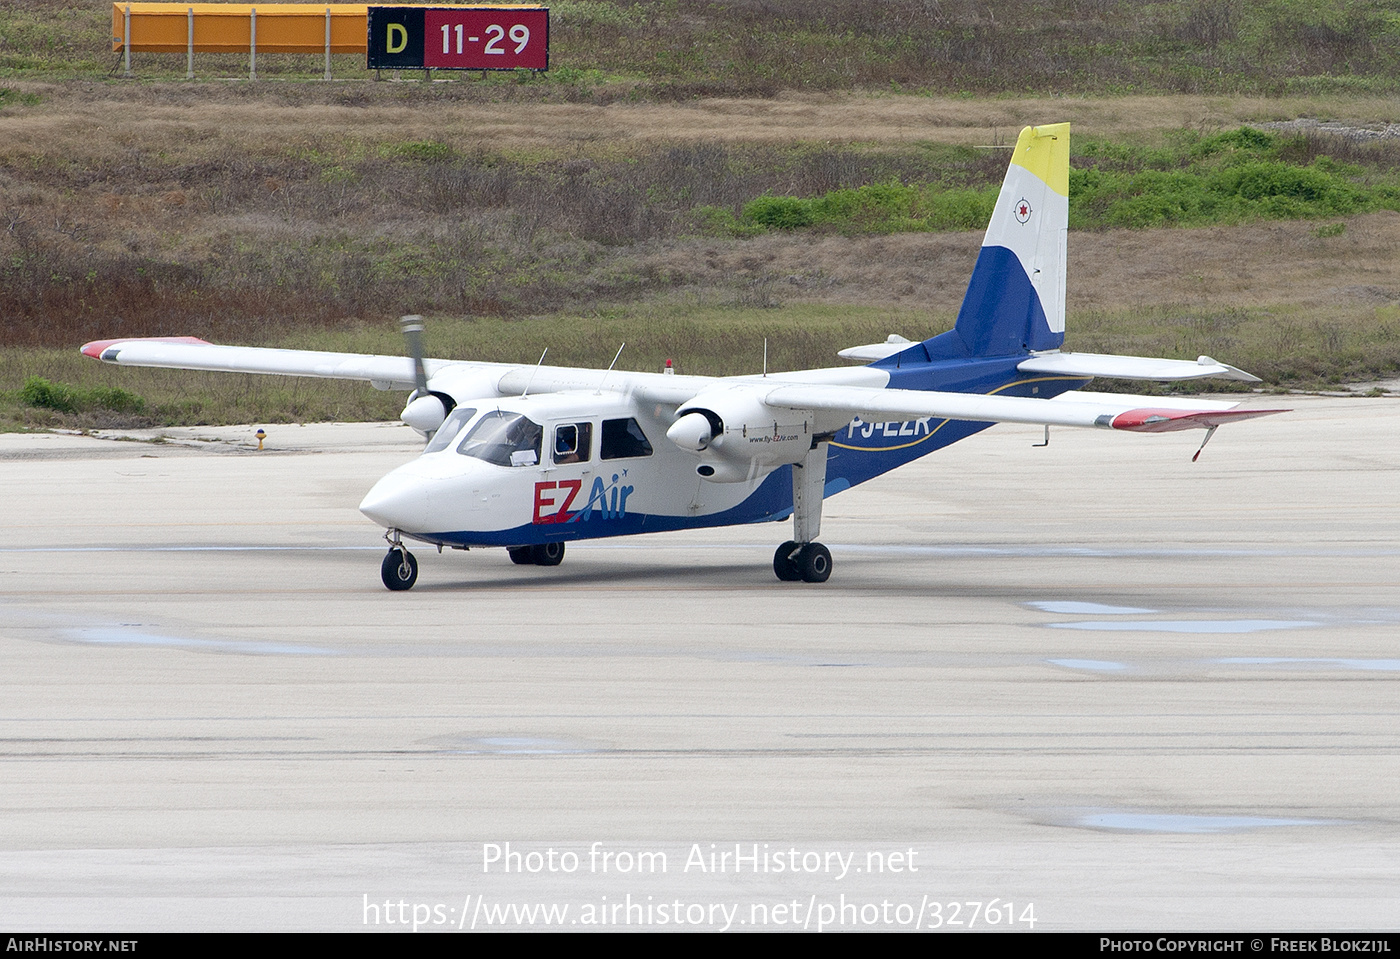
[567, 471]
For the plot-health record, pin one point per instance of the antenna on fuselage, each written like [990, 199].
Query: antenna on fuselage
[765, 356]
[610, 368]
[526, 390]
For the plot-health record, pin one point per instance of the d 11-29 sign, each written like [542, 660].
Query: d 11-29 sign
[458, 38]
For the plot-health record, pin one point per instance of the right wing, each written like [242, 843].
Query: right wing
[191, 353]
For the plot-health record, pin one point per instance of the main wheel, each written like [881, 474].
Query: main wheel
[520, 555]
[785, 565]
[814, 562]
[547, 554]
[399, 570]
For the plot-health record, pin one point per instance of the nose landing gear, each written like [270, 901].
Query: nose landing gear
[400, 567]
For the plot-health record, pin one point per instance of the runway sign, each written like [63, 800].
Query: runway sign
[458, 38]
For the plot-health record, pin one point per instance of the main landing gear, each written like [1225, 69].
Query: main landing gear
[545, 554]
[801, 558]
[808, 562]
[400, 568]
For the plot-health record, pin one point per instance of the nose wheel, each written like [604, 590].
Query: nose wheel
[400, 567]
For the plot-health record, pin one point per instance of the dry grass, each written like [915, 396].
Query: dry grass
[196, 121]
[688, 49]
[1279, 264]
[228, 212]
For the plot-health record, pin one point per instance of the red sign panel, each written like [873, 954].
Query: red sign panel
[486, 39]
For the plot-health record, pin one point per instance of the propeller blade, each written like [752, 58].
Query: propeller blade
[412, 327]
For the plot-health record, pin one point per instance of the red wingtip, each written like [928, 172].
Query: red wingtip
[1169, 421]
[96, 348]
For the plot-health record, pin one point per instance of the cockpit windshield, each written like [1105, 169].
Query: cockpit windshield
[449, 429]
[504, 438]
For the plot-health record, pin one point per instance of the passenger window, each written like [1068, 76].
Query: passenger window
[506, 439]
[573, 443]
[449, 429]
[622, 439]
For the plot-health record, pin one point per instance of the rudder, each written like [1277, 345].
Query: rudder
[1016, 298]
[1015, 301]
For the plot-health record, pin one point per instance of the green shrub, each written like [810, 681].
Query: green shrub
[1244, 139]
[778, 212]
[39, 392]
[871, 205]
[43, 394]
[114, 398]
[958, 209]
[420, 151]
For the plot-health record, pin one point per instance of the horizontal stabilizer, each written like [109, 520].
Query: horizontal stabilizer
[893, 344]
[1131, 367]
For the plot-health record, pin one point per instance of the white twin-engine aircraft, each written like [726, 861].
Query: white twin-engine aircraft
[532, 457]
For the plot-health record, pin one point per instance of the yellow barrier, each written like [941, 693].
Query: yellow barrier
[191, 28]
[228, 27]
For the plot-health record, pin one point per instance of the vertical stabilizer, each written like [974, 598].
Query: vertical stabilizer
[1016, 299]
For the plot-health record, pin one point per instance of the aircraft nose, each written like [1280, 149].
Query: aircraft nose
[399, 501]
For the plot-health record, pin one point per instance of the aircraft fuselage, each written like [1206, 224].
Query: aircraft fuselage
[581, 464]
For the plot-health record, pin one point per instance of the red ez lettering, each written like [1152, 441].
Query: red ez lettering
[548, 497]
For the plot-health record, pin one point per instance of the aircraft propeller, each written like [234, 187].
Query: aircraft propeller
[693, 432]
[425, 410]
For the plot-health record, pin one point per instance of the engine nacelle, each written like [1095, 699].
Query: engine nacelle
[738, 437]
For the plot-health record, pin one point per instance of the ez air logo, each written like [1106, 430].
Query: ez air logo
[555, 501]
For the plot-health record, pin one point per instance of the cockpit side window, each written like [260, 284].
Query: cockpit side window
[623, 439]
[573, 442]
[505, 439]
[449, 429]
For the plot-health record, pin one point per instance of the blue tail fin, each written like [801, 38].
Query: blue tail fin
[1015, 302]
